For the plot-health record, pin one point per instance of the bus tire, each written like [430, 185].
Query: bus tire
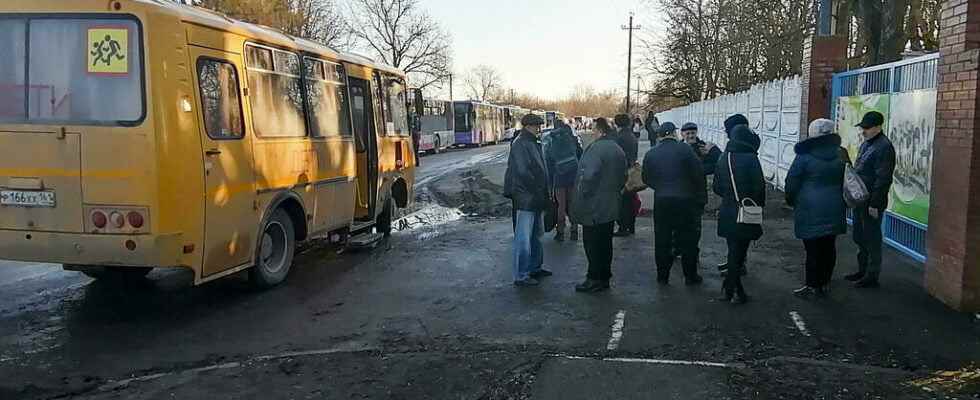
[274, 255]
[384, 222]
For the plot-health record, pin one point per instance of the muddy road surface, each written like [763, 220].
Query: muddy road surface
[432, 314]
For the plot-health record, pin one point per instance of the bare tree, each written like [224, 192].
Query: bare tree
[400, 33]
[317, 20]
[484, 83]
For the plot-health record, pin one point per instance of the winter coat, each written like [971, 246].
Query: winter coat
[815, 187]
[708, 153]
[599, 183]
[743, 149]
[627, 142]
[652, 127]
[673, 171]
[562, 154]
[526, 179]
[875, 165]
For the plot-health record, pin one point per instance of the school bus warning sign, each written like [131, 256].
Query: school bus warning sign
[107, 50]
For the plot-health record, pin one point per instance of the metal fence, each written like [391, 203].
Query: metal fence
[902, 233]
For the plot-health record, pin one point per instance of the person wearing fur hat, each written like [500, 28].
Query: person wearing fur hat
[814, 187]
[742, 152]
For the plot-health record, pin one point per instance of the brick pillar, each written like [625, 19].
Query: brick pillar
[953, 241]
[822, 57]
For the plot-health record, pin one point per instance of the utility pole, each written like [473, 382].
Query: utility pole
[629, 59]
[450, 87]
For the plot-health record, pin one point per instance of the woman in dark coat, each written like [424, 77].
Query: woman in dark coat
[814, 186]
[742, 150]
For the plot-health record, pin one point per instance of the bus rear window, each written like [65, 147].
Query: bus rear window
[71, 71]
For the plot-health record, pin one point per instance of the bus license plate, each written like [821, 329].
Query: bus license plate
[24, 198]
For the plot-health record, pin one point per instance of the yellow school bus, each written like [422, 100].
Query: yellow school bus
[143, 133]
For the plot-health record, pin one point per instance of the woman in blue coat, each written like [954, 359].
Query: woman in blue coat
[742, 150]
[814, 187]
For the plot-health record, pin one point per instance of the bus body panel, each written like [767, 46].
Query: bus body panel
[161, 166]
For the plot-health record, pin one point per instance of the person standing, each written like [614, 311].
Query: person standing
[638, 129]
[730, 123]
[562, 154]
[675, 174]
[749, 183]
[707, 152]
[652, 125]
[526, 184]
[627, 142]
[600, 180]
[815, 189]
[875, 165]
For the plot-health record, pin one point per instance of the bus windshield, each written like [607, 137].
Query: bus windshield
[463, 117]
[71, 71]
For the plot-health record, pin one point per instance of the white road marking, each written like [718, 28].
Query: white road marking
[798, 320]
[654, 361]
[617, 331]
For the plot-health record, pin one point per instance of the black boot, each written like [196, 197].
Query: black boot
[727, 291]
[740, 296]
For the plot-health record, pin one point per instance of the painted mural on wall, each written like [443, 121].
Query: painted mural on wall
[912, 126]
[910, 121]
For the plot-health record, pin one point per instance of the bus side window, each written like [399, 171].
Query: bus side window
[221, 104]
[274, 79]
[326, 93]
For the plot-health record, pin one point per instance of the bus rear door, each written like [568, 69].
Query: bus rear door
[362, 109]
[230, 217]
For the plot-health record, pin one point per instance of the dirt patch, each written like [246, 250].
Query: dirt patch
[471, 192]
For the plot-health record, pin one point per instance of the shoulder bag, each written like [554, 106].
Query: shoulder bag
[748, 211]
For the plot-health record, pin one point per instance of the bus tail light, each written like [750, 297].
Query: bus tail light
[99, 219]
[135, 219]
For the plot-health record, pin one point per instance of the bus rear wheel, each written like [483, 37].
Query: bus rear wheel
[275, 253]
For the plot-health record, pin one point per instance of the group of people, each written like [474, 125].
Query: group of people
[589, 186]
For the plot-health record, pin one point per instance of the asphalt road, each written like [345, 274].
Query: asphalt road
[432, 314]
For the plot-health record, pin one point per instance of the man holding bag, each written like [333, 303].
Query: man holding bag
[676, 176]
[875, 165]
[627, 209]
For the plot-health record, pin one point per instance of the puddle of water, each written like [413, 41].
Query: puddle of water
[428, 220]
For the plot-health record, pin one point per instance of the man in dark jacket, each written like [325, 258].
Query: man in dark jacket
[652, 125]
[598, 186]
[627, 141]
[675, 174]
[526, 184]
[875, 165]
[706, 151]
[562, 154]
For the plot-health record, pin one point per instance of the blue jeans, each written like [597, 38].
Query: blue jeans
[528, 254]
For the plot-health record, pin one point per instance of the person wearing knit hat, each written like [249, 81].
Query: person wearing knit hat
[733, 121]
[738, 180]
[815, 189]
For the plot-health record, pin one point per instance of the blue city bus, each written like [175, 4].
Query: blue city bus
[477, 123]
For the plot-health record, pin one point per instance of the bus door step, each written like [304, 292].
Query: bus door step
[365, 241]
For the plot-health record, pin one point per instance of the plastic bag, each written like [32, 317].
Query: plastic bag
[856, 194]
[634, 183]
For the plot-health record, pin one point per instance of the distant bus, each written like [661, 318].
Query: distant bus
[512, 120]
[436, 125]
[551, 117]
[477, 123]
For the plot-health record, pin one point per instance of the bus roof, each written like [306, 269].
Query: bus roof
[213, 19]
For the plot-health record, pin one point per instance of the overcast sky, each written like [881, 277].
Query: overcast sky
[544, 47]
